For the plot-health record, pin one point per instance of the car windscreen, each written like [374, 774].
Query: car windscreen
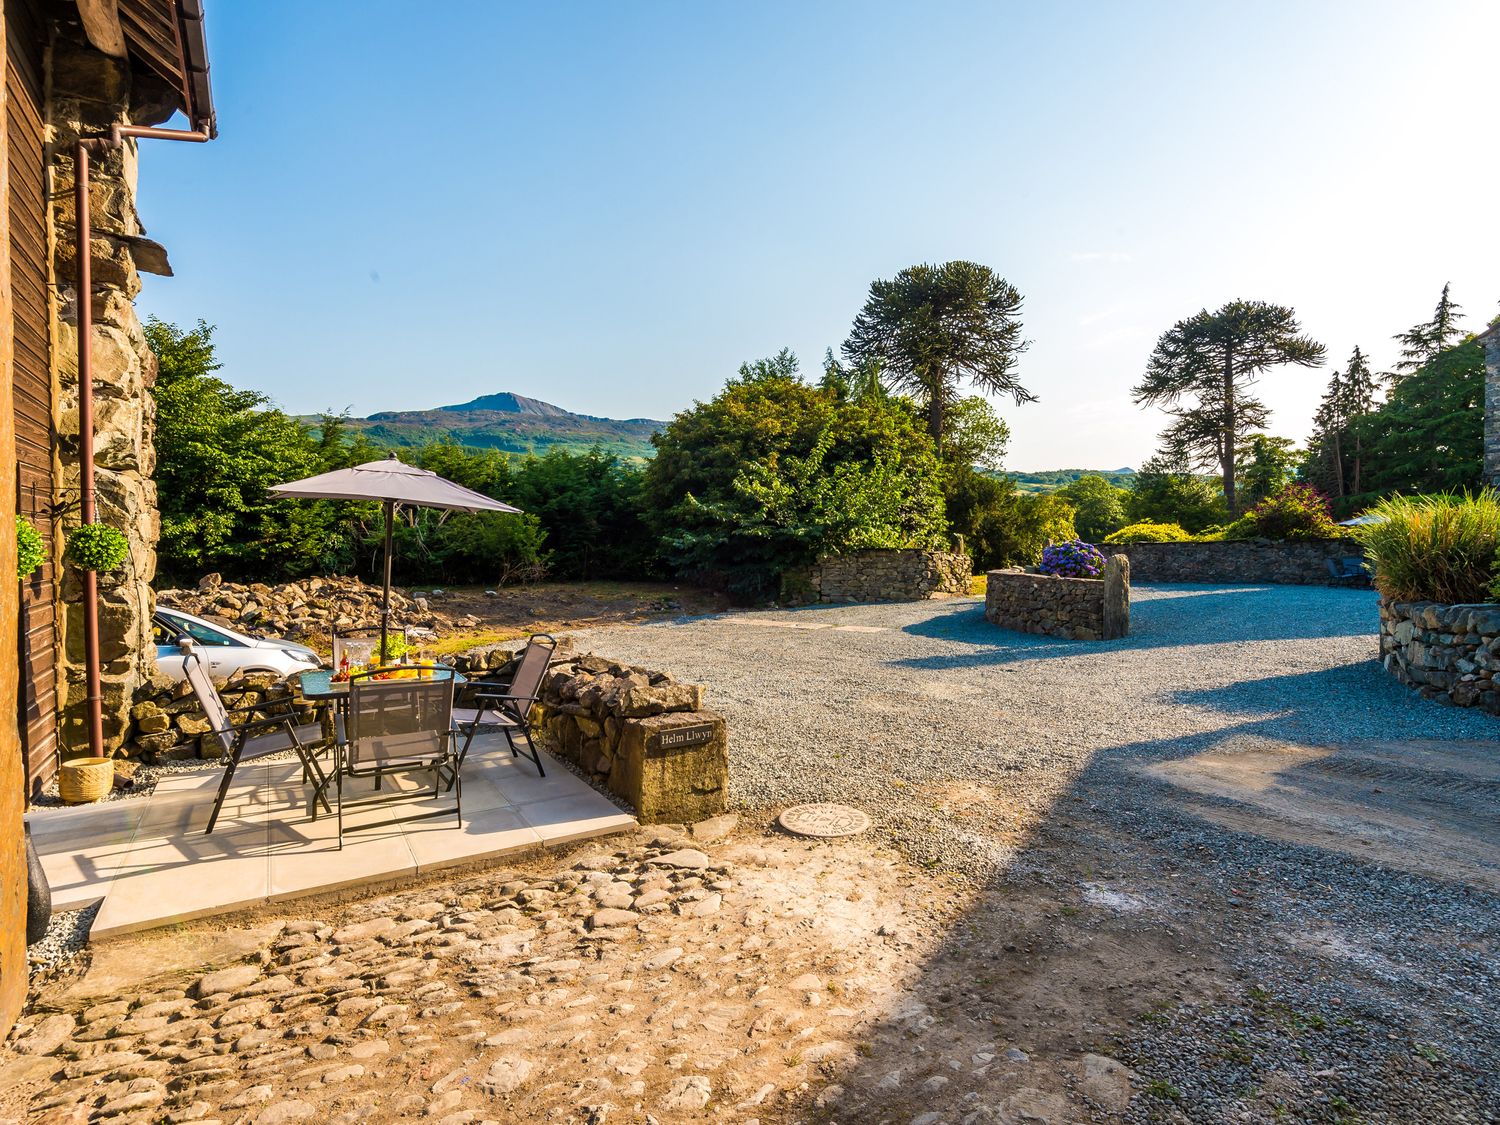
[203, 634]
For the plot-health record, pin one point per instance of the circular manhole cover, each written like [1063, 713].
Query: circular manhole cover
[823, 820]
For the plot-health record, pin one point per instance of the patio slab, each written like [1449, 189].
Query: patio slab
[153, 864]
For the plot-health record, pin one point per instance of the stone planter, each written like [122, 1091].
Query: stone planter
[1446, 652]
[1076, 609]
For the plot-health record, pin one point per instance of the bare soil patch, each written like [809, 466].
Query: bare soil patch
[514, 611]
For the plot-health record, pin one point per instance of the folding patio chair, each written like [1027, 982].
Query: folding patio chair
[512, 707]
[399, 725]
[274, 731]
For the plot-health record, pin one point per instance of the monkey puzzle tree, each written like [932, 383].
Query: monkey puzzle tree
[1201, 372]
[933, 326]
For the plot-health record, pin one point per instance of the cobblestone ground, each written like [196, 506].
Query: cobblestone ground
[669, 979]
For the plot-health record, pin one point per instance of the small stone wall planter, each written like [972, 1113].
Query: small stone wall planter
[1292, 562]
[1076, 609]
[894, 575]
[1446, 652]
[636, 732]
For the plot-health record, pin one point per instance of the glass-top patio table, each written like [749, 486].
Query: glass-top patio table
[319, 686]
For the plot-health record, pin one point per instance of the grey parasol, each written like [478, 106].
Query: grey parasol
[392, 482]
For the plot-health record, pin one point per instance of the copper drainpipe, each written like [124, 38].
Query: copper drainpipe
[93, 685]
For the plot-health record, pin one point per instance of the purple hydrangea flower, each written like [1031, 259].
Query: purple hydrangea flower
[1073, 559]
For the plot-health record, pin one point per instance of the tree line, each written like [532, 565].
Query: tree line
[888, 445]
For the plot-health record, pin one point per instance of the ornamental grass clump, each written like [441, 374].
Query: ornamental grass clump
[1073, 559]
[1439, 548]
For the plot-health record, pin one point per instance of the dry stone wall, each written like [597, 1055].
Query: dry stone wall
[1448, 652]
[894, 575]
[167, 725]
[637, 732]
[1076, 609]
[1301, 562]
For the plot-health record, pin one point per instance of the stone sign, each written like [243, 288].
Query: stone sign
[823, 820]
[681, 738]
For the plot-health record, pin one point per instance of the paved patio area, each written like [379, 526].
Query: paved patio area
[153, 865]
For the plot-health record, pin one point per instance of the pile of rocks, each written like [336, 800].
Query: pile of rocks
[167, 725]
[1076, 609]
[637, 732]
[311, 608]
[1449, 652]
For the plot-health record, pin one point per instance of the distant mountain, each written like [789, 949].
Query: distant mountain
[510, 422]
[1057, 478]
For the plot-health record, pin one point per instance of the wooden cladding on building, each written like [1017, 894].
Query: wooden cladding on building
[32, 377]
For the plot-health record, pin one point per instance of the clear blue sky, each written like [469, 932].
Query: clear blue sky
[610, 206]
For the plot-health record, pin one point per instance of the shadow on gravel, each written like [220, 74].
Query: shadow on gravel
[1244, 964]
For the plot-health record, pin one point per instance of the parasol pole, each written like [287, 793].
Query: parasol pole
[385, 600]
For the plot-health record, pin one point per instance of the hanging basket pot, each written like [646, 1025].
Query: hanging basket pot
[31, 549]
[82, 780]
[97, 547]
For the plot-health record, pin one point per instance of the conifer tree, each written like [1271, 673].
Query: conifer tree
[1423, 343]
[1336, 452]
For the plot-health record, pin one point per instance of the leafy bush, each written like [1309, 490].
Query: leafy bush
[1440, 548]
[1148, 531]
[1163, 493]
[31, 549]
[97, 547]
[1242, 528]
[1099, 507]
[772, 472]
[1298, 511]
[1073, 559]
[1001, 525]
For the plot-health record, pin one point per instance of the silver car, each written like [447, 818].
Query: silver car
[227, 652]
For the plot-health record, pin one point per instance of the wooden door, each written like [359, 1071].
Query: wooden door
[21, 32]
[32, 378]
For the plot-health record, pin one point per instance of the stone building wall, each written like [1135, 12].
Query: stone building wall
[895, 575]
[1491, 341]
[90, 91]
[1284, 562]
[1449, 652]
[1076, 609]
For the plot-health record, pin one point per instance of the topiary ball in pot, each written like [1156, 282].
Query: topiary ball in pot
[1073, 559]
[31, 549]
[97, 547]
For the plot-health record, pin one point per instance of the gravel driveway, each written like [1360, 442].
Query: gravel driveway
[1287, 862]
[881, 705]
